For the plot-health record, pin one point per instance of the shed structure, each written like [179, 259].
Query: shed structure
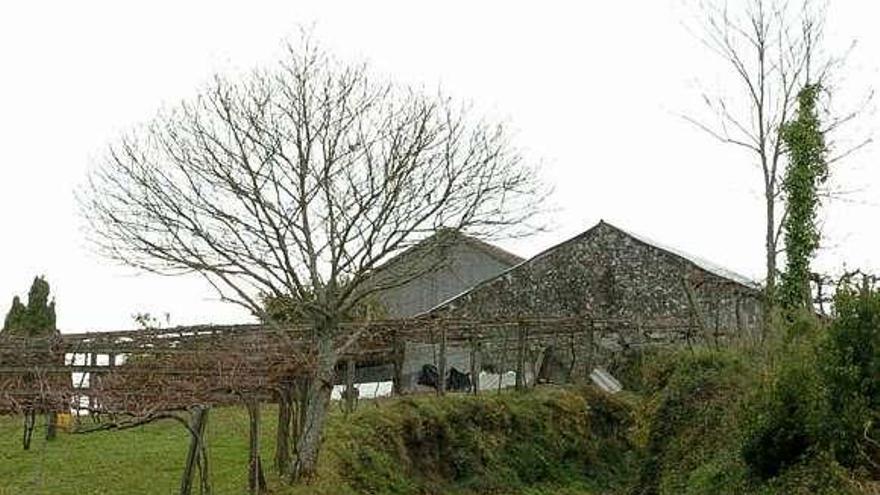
[434, 270]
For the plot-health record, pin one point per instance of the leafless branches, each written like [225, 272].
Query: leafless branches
[300, 180]
[773, 49]
[296, 184]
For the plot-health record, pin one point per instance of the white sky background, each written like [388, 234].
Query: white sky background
[594, 90]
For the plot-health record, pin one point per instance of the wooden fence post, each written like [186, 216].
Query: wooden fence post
[349, 385]
[441, 368]
[520, 356]
[476, 365]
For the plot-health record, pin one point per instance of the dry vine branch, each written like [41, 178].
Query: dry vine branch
[178, 374]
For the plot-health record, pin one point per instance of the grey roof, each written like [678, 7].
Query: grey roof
[491, 250]
[702, 263]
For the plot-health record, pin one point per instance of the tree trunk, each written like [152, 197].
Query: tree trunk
[256, 479]
[196, 457]
[314, 406]
[770, 286]
[30, 418]
[282, 439]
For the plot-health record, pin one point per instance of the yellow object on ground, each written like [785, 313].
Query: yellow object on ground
[65, 421]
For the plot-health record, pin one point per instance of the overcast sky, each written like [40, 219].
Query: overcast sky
[594, 90]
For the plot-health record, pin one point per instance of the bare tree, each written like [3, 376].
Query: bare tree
[297, 182]
[774, 48]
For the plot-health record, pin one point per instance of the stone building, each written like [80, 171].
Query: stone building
[657, 294]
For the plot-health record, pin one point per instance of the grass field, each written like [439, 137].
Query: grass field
[141, 460]
[149, 459]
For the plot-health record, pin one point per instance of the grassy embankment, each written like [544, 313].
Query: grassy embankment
[552, 440]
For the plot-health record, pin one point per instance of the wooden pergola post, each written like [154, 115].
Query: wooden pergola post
[441, 368]
[349, 385]
[398, 356]
[591, 346]
[476, 364]
[521, 356]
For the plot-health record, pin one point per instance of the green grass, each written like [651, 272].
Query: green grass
[148, 459]
[543, 442]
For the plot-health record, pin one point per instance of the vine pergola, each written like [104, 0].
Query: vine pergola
[125, 379]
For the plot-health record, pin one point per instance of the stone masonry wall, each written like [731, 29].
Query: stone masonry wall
[607, 273]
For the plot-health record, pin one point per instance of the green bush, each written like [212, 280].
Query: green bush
[819, 474]
[850, 367]
[687, 418]
[783, 420]
[797, 416]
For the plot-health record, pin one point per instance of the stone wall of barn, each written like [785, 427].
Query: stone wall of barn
[605, 274]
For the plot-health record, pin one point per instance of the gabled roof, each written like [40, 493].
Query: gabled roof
[451, 237]
[697, 261]
[492, 250]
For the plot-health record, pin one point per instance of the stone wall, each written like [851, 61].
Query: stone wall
[606, 273]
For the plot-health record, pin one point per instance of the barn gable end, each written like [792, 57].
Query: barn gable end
[609, 273]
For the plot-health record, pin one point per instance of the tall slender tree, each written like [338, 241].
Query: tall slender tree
[35, 319]
[773, 49]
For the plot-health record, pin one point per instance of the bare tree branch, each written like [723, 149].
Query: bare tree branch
[298, 183]
[773, 49]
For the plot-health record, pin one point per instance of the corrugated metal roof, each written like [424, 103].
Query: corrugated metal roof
[700, 262]
[491, 250]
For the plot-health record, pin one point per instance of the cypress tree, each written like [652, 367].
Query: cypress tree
[16, 317]
[36, 319]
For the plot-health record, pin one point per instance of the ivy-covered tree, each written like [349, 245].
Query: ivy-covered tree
[807, 170]
[34, 319]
